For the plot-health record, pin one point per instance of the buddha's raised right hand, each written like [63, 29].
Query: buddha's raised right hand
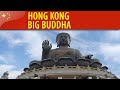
[46, 46]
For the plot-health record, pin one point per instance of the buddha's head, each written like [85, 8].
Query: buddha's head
[63, 39]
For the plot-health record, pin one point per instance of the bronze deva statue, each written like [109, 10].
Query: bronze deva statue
[63, 51]
[5, 75]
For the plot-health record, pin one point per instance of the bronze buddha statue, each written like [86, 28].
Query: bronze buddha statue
[63, 51]
[63, 55]
[63, 58]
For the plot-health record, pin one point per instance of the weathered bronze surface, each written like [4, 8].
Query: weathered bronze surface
[5, 75]
[63, 43]
[63, 55]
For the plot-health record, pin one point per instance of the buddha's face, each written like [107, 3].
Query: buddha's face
[63, 40]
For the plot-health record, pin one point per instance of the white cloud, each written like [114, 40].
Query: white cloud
[10, 38]
[13, 74]
[111, 52]
[113, 35]
[6, 67]
[32, 41]
[2, 59]
[33, 44]
[118, 76]
[8, 58]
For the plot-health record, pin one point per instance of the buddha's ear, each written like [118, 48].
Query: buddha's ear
[58, 42]
[57, 45]
[68, 43]
[68, 39]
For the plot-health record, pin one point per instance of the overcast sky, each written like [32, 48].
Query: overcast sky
[18, 48]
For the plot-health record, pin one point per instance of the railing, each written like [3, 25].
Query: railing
[45, 69]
